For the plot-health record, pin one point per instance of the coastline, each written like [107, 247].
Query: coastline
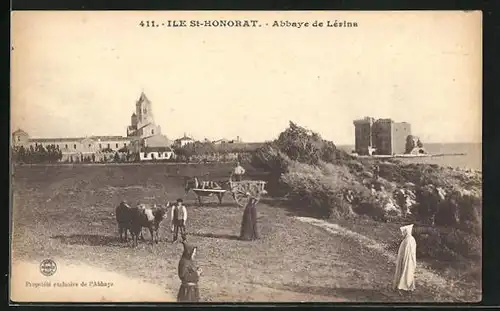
[426, 155]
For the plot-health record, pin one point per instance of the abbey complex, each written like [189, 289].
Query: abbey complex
[142, 132]
[144, 137]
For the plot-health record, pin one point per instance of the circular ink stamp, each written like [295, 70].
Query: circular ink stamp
[48, 267]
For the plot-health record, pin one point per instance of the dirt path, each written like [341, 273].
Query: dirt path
[424, 276]
[29, 285]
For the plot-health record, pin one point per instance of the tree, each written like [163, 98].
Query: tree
[116, 157]
[184, 153]
[123, 150]
[305, 146]
[20, 154]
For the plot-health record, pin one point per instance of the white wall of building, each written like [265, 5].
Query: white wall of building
[156, 155]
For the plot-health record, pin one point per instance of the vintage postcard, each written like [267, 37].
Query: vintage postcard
[246, 156]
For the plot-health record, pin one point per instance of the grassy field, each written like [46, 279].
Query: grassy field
[67, 213]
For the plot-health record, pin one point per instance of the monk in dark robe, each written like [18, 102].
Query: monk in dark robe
[249, 230]
[189, 274]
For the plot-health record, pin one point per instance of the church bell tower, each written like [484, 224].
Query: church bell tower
[143, 111]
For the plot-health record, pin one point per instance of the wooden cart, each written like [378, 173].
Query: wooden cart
[243, 190]
[201, 193]
[240, 190]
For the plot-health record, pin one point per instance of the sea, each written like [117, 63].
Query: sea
[471, 160]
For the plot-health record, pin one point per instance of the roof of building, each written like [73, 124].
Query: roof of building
[19, 131]
[68, 139]
[364, 120]
[157, 149]
[109, 138]
[61, 139]
[145, 124]
[385, 120]
[185, 138]
[142, 98]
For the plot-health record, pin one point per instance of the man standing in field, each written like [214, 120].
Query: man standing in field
[179, 217]
[238, 172]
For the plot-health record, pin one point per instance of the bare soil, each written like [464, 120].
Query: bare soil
[66, 285]
[67, 214]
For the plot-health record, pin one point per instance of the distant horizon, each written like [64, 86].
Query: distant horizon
[70, 77]
[244, 141]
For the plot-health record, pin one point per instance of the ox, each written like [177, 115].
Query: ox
[133, 219]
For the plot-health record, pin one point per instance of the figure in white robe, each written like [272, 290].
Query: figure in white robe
[406, 263]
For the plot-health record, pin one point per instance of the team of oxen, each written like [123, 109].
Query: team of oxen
[135, 218]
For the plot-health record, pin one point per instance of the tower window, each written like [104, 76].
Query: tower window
[66, 146]
[74, 146]
[152, 132]
[109, 146]
[100, 146]
[90, 145]
[116, 145]
[125, 145]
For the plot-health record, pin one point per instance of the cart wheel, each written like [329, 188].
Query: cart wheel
[241, 199]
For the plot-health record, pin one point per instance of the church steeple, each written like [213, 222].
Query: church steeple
[143, 110]
[143, 97]
[142, 123]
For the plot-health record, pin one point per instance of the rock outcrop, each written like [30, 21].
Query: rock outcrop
[414, 145]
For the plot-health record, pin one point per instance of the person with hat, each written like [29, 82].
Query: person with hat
[179, 218]
[189, 274]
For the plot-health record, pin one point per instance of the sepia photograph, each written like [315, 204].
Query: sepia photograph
[246, 156]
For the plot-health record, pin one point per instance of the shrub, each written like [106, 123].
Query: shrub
[306, 146]
[469, 209]
[447, 244]
[391, 172]
[270, 159]
[443, 246]
[369, 205]
[39, 154]
[320, 189]
[428, 201]
[314, 173]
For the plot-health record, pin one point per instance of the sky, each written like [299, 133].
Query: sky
[80, 74]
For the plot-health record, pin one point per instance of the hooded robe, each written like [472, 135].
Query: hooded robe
[406, 262]
[249, 229]
[188, 274]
